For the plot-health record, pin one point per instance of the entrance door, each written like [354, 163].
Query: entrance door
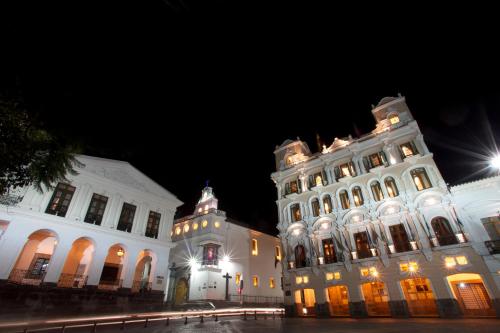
[471, 295]
[181, 292]
[339, 301]
[419, 296]
[376, 299]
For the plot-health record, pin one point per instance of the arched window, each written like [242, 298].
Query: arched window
[295, 210]
[300, 256]
[443, 231]
[315, 207]
[420, 179]
[327, 204]
[390, 185]
[344, 199]
[358, 196]
[289, 161]
[377, 191]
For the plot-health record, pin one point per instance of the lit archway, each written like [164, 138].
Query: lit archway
[113, 270]
[338, 300]
[376, 299]
[419, 297]
[471, 294]
[144, 271]
[31, 265]
[75, 270]
[305, 302]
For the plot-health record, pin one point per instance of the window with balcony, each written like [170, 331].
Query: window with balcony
[400, 238]
[153, 224]
[362, 245]
[444, 232]
[329, 251]
[293, 187]
[376, 160]
[344, 199]
[59, 203]
[210, 255]
[357, 196]
[327, 204]
[345, 170]
[315, 207]
[378, 195]
[408, 149]
[96, 209]
[300, 256]
[390, 185]
[420, 179]
[296, 214]
[126, 217]
[317, 179]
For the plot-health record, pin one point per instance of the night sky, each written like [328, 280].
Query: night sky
[188, 91]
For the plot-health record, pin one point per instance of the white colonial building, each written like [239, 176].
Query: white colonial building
[106, 229]
[370, 228]
[219, 259]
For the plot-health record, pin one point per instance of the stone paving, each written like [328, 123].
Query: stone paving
[312, 325]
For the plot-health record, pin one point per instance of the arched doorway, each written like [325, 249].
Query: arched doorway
[376, 299]
[444, 232]
[33, 262]
[419, 297]
[112, 272]
[305, 301]
[338, 301]
[181, 289]
[471, 294]
[144, 271]
[75, 270]
[300, 256]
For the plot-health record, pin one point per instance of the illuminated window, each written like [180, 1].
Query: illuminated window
[186, 227]
[344, 199]
[199, 210]
[336, 275]
[450, 262]
[271, 283]
[195, 226]
[278, 253]
[411, 266]
[237, 279]
[292, 187]
[358, 196]
[327, 204]
[298, 279]
[420, 179]
[206, 207]
[305, 279]
[178, 230]
[255, 281]
[394, 119]
[329, 276]
[204, 223]
[217, 224]
[347, 169]
[390, 185]
[364, 272]
[377, 191]
[376, 160]
[408, 149]
[373, 272]
[296, 214]
[317, 180]
[255, 249]
[461, 260]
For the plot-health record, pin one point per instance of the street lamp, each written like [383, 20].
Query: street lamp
[495, 162]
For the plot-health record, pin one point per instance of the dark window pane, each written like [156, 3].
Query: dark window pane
[96, 209]
[153, 224]
[61, 199]
[126, 218]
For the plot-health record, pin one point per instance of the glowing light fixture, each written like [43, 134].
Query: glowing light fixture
[192, 262]
[217, 224]
[495, 162]
[461, 285]
[304, 311]
[120, 252]
[226, 258]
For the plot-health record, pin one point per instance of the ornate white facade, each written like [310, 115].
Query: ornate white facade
[369, 227]
[212, 249]
[108, 228]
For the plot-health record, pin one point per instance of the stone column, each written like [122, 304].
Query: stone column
[421, 144]
[96, 265]
[57, 261]
[10, 249]
[322, 307]
[129, 268]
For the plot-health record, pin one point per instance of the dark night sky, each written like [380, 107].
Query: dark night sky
[205, 90]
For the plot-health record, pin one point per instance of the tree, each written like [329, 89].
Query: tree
[29, 155]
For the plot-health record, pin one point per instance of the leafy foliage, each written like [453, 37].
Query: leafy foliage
[29, 155]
